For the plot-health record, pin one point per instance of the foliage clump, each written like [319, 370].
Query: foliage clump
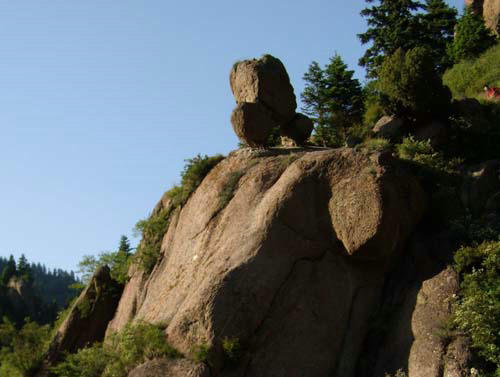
[472, 37]
[232, 349]
[334, 100]
[22, 350]
[195, 170]
[406, 24]
[410, 85]
[118, 262]
[152, 230]
[135, 344]
[468, 77]
[477, 310]
[422, 154]
[227, 192]
[376, 145]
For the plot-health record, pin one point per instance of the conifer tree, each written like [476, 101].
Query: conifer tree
[437, 27]
[9, 270]
[472, 37]
[392, 24]
[23, 269]
[334, 99]
[124, 245]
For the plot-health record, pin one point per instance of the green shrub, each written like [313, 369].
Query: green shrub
[22, 351]
[471, 37]
[152, 231]
[477, 310]
[88, 362]
[232, 349]
[226, 194]
[118, 262]
[376, 145]
[468, 77]
[410, 85]
[194, 172]
[374, 111]
[135, 344]
[201, 353]
[422, 153]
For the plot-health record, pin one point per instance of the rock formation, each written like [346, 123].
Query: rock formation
[265, 100]
[88, 319]
[292, 266]
[388, 127]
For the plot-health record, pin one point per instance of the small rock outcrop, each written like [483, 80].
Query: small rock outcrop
[88, 319]
[481, 186]
[291, 265]
[170, 368]
[265, 100]
[388, 127]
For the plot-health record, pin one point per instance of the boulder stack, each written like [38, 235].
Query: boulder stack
[265, 100]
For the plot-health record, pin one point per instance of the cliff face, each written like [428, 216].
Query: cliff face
[287, 252]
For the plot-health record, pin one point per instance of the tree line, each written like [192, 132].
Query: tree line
[411, 44]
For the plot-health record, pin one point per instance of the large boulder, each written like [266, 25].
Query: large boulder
[435, 131]
[289, 260]
[299, 129]
[388, 127]
[264, 80]
[252, 123]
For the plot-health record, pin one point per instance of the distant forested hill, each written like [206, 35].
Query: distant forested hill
[33, 290]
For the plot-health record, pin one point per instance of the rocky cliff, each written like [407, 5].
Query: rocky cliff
[294, 263]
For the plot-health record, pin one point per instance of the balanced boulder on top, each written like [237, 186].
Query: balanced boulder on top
[265, 84]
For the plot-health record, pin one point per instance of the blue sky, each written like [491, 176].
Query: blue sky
[102, 101]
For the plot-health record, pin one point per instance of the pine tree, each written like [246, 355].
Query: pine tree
[23, 269]
[314, 94]
[437, 27]
[392, 24]
[472, 37]
[9, 270]
[124, 245]
[333, 98]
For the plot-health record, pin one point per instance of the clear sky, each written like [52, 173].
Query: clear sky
[101, 102]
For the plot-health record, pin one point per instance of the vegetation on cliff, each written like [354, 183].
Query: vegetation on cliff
[116, 357]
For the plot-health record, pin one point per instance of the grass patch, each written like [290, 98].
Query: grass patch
[201, 353]
[227, 193]
[376, 145]
[467, 78]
